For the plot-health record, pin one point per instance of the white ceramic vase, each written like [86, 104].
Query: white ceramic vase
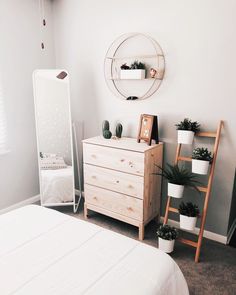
[187, 222]
[132, 74]
[175, 190]
[200, 166]
[185, 136]
[166, 246]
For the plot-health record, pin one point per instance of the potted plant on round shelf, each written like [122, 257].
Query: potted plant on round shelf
[201, 158]
[178, 178]
[186, 130]
[136, 71]
[189, 213]
[166, 237]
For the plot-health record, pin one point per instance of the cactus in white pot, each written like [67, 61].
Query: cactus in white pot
[201, 159]
[186, 130]
[189, 213]
[178, 178]
[166, 237]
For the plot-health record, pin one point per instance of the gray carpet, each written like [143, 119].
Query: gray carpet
[215, 274]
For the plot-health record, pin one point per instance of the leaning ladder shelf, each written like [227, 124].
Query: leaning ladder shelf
[206, 190]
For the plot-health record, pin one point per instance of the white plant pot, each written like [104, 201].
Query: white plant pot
[187, 222]
[132, 74]
[175, 190]
[166, 245]
[185, 136]
[200, 166]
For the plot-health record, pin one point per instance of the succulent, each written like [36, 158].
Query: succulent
[105, 125]
[136, 65]
[202, 154]
[188, 125]
[107, 134]
[167, 232]
[180, 176]
[119, 129]
[125, 67]
[189, 209]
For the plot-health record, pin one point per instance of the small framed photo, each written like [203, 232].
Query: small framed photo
[148, 129]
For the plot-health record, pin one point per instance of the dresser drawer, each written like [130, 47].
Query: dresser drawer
[120, 182]
[116, 159]
[114, 202]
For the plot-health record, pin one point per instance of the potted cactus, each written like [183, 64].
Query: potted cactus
[186, 130]
[201, 158]
[136, 70]
[119, 129]
[189, 213]
[106, 130]
[166, 237]
[178, 178]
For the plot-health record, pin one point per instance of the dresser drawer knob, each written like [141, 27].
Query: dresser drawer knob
[122, 160]
[93, 156]
[117, 181]
[94, 177]
[130, 209]
[95, 198]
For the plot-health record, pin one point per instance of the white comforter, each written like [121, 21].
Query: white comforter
[45, 252]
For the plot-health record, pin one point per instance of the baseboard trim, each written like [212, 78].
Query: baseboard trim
[207, 234]
[231, 231]
[28, 201]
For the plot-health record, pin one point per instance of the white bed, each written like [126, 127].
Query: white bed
[44, 252]
[57, 185]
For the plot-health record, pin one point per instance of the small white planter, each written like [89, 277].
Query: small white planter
[175, 190]
[166, 245]
[187, 222]
[200, 166]
[185, 136]
[132, 74]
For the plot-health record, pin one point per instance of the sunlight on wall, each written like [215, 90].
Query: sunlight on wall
[3, 125]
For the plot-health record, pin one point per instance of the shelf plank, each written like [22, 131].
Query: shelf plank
[206, 134]
[187, 159]
[118, 79]
[202, 189]
[172, 209]
[136, 56]
[188, 242]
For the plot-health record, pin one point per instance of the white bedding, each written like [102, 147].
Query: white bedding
[57, 185]
[44, 252]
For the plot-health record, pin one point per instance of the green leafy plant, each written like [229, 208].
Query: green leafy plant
[177, 175]
[202, 154]
[167, 232]
[188, 125]
[125, 67]
[136, 65]
[189, 209]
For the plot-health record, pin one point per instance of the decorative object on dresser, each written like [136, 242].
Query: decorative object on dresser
[106, 129]
[148, 129]
[128, 64]
[189, 213]
[119, 180]
[166, 237]
[186, 130]
[178, 178]
[201, 159]
[203, 189]
[119, 129]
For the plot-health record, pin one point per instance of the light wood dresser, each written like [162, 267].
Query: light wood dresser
[118, 179]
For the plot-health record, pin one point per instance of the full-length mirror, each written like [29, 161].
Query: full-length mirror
[54, 137]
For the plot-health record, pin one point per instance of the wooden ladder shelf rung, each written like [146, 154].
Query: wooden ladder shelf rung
[206, 190]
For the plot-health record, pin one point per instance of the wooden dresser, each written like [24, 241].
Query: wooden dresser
[118, 180]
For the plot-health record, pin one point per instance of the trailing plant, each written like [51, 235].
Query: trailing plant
[180, 176]
[189, 209]
[119, 129]
[188, 125]
[167, 232]
[202, 154]
[136, 65]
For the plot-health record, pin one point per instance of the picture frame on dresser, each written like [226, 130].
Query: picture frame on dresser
[119, 180]
[148, 129]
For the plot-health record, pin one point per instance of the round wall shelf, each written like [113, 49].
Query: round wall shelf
[134, 84]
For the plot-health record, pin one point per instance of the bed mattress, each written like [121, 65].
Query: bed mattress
[46, 252]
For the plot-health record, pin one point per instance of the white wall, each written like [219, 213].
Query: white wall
[20, 54]
[198, 39]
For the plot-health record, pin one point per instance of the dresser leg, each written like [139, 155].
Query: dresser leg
[85, 211]
[141, 232]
